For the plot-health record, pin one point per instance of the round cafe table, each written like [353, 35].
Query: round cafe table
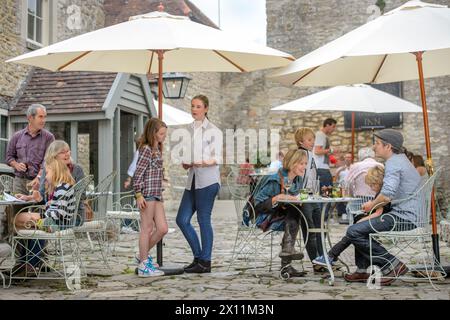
[324, 226]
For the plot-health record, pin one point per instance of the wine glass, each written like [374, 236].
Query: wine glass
[287, 184]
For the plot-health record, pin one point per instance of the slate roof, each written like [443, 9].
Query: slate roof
[65, 92]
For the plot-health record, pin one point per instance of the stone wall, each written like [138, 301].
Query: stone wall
[11, 45]
[74, 17]
[83, 152]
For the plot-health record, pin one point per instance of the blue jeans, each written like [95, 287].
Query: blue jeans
[311, 212]
[358, 235]
[202, 202]
[326, 179]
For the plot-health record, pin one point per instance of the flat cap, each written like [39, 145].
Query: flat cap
[392, 137]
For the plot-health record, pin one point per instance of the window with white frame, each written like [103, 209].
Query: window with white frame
[40, 20]
[3, 137]
[35, 21]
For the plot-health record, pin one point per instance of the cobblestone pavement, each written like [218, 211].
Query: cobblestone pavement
[118, 281]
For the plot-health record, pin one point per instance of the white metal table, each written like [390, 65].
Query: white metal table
[323, 226]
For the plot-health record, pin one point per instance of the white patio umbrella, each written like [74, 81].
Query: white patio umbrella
[410, 42]
[175, 117]
[141, 44]
[355, 98]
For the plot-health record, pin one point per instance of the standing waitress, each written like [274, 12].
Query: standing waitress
[202, 186]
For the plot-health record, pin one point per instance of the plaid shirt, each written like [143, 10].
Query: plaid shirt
[148, 176]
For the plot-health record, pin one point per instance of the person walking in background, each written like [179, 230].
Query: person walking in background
[147, 184]
[202, 187]
[322, 152]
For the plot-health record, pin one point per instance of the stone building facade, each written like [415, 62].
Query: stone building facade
[244, 100]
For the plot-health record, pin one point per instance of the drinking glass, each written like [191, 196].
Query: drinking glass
[287, 185]
[316, 188]
[303, 194]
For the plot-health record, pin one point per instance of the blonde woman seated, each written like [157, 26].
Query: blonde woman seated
[284, 184]
[61, 201]
[58, 150]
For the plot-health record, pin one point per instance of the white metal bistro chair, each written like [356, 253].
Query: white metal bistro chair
[6, 263]
[6, 183]
[354, 208]
[124, 213]
[56, 251]
[251, 243]
[412, 246]
[97, 226]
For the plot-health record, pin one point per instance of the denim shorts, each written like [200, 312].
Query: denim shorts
[152, 198]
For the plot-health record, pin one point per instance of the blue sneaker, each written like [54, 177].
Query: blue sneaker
[321, 261]
[138, 261]
[146, 269]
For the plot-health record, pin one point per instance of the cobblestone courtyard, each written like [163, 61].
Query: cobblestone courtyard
[120, 282]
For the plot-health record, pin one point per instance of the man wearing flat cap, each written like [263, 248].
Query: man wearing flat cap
[401, 180]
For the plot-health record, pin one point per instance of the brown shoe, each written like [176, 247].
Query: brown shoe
[398, 271]
[356, 277]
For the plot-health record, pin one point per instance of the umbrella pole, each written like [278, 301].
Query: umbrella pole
[160, 82]
[435, 235]
[353, 136]
[159, 245]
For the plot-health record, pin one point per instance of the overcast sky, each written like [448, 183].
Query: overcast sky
[238, 15]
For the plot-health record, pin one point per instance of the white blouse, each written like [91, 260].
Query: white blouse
[206, 145]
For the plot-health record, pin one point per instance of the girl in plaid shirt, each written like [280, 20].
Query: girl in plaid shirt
[147, 184]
